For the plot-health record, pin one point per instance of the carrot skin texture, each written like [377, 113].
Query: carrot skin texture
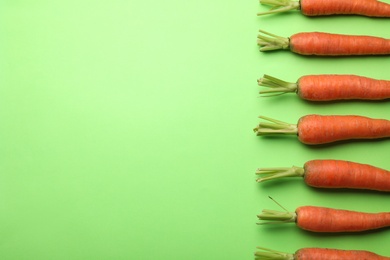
[330, 7]
[336, 254]
[318, 129]
[328, 44]
[341, 87]
[345, 174]
[322, 219]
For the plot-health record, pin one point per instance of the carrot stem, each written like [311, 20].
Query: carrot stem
[276, 216]
[275, 127]
[280, 6]
[279, 172]
[276, 85]
[270, 254]
[269, 41]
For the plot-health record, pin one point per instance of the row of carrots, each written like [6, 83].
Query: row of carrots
[323, 129]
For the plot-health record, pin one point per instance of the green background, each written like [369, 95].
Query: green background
[126, 130]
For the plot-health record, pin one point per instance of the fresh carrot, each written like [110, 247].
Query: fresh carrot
[320, 129]
[315, 253]
[328, 87]
[371, 8]
[328, 220]
[333, 174]
[325, 44]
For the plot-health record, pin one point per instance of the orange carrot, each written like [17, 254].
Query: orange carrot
[319, 129]
[315, 253]
[325, 44]
[371, 8]
[322, 219]
[333, 174]
[329, 87]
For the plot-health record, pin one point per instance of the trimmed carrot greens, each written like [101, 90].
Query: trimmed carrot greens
[279, 6]
[269, 41]
[279, 172]
[269, 254]
[276, 86]
[276, 216]
[274, 126]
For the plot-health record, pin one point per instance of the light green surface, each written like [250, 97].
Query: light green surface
[126, 130]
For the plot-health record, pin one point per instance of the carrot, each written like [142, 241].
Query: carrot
[371, 8]
[333, 174]
[325, 44]
[315, 253]
[329, 220]
[319, 129]
[329, 87]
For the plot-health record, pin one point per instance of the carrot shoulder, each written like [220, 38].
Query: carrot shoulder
[325, 44]
[329, 220]
[332, 174]
[320, 129]
[328, 87]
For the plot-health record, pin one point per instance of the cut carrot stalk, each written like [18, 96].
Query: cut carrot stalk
[276, 86]
[315, 253]
[325, 44]
[280, 6]
[332, 174]
[328, 87]
[268, 254]
[370, 8]
[319, 129]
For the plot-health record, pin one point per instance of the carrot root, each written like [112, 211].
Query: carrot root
[322, 219]
[322, 129]
[316, 253]
[327, 87]
[332, 174]
[331, 44]
[345, 174]
[370, 8]
[325, 44]
[329, 220]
